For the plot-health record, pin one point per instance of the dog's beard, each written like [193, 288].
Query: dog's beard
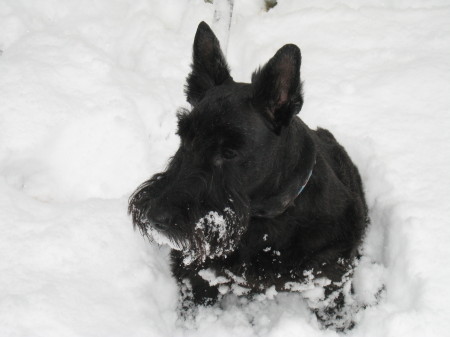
[215, 235]
[162, 239]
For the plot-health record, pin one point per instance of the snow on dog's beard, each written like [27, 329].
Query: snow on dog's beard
[215, 235]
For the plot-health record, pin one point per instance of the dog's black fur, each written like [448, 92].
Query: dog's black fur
[229, 199]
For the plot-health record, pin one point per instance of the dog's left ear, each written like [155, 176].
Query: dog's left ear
[209, 67]
[277, 90]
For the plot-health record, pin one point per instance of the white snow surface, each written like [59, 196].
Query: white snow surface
[88, 95]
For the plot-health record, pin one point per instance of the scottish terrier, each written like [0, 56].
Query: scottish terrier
[253, 200]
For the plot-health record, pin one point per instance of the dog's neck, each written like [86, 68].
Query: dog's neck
[293, 182]
[307, 157]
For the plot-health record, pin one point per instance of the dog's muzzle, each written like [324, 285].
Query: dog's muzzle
[159, 220]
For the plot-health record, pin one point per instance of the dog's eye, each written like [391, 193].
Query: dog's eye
[228, 153]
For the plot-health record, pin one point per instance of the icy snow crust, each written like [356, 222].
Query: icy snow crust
[88, 94]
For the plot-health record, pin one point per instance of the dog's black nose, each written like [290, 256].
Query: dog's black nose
[159, 220]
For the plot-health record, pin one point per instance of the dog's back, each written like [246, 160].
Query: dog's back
[342, 165]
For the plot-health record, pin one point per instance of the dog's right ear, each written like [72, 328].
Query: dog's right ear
[277, 90]
[209, 67]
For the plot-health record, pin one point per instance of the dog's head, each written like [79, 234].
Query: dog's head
[232, 153]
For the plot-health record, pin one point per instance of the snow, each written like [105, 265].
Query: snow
[89, 92]
[213, 221]
[213, 227]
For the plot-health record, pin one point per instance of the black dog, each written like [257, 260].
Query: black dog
[253, 199]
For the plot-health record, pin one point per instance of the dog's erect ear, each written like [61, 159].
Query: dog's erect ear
[209, 67]
[277, 90]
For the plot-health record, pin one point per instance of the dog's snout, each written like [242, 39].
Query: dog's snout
[159, 220]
